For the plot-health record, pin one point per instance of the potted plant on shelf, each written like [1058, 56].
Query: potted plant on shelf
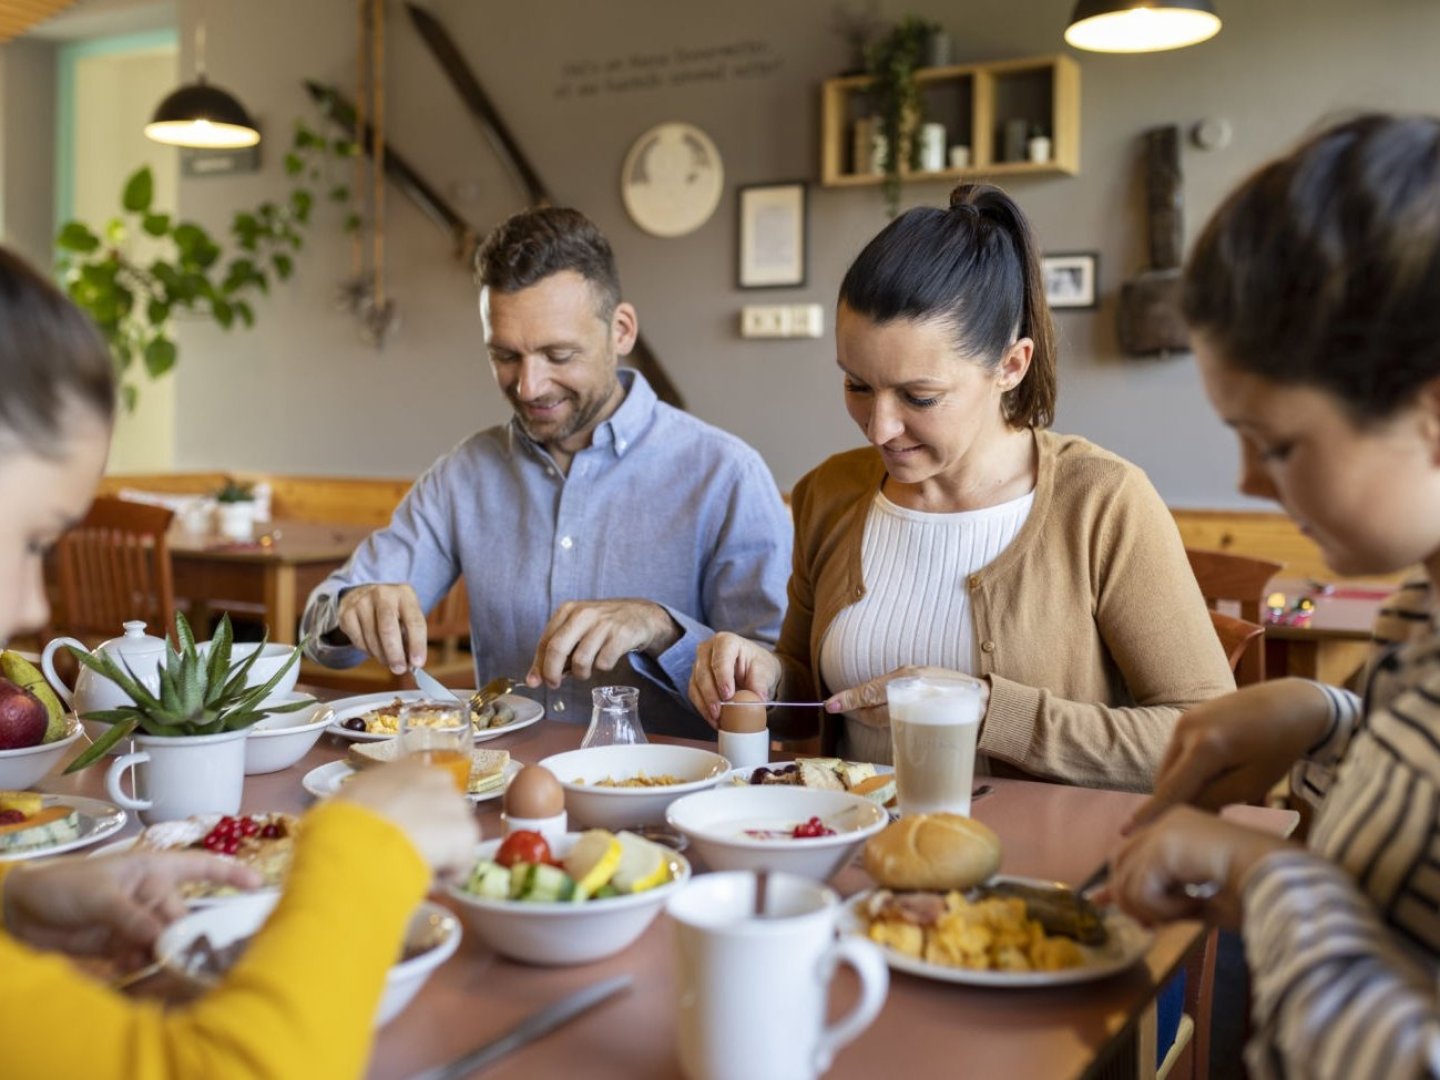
[235, 509]
[891, 61]
[192, 747]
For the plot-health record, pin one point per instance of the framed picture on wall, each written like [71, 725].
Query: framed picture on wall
[772, 236]
[1072, 280]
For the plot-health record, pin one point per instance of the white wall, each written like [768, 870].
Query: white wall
[302, 394]
[114, 96]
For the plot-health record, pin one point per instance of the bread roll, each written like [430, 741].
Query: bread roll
[932, 851]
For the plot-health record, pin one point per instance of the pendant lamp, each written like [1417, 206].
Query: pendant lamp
[201, 114]
[1135, 26]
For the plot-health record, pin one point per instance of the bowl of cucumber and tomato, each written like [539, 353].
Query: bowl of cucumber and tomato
[579, 899]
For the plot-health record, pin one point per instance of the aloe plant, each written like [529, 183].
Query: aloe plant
[199, 695]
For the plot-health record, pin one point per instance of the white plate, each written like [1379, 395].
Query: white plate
[527, 712]
[324, 780]
[1129, 942]
[98, 819]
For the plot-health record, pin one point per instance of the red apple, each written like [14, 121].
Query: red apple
[23, 717]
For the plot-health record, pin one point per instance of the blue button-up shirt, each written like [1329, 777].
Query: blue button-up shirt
[660, 506]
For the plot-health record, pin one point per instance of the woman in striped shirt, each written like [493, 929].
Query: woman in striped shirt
[1314, 296]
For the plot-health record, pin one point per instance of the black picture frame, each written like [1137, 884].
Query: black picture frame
[1072, 280]
[772, 235]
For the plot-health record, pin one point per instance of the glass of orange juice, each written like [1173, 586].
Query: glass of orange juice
[439, 734]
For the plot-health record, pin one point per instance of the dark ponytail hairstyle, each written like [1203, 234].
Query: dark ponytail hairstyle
[51, 358]
[1323, 268]
[976, 267]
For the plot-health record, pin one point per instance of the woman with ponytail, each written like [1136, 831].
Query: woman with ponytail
[968, 538]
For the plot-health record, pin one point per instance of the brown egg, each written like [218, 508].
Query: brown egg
[534, 793]
[743, 718]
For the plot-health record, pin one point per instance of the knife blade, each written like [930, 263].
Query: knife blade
[531, 1028]
[434, 687]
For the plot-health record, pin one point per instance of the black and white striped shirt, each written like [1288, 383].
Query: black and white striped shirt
[1344, 943]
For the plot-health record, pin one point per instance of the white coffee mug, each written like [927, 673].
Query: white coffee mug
[752, 990]
[175, 778]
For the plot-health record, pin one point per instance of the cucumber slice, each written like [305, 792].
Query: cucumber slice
[549, 884]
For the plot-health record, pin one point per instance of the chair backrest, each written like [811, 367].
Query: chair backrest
[114, 566]
[1235, 637]
[1240, 583]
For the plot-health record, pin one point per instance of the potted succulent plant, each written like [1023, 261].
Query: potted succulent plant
[235, 509]
[891, 61]
[201, 692]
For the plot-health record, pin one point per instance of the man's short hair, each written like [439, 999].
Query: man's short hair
[534, 244]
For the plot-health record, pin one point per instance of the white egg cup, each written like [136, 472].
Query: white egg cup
[552, 827]
[746, 749]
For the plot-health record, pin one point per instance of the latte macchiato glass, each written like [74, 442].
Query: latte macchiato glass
[933, 725]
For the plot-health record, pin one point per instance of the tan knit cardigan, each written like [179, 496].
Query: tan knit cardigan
[1090, 627]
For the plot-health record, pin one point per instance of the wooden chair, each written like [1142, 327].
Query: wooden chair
[1236, 636]
[113, 566]
[448, 630]
[1237, 583]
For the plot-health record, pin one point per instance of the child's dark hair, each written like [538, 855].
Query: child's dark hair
[51, 357]
[1323, 268]
[975, 266]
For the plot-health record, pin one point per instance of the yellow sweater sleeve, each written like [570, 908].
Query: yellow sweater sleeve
[299, 1003]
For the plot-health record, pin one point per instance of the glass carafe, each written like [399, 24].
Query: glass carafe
[615, 718]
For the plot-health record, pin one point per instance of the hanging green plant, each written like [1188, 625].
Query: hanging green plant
[133, 301]
[891, 62]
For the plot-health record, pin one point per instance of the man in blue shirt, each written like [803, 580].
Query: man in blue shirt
[601, 532]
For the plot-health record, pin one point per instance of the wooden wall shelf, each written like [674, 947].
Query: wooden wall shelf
[974, 102]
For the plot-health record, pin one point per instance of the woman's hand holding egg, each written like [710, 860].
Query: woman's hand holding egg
[728, 663]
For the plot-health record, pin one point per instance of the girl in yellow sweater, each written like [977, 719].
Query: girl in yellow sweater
[302, 999]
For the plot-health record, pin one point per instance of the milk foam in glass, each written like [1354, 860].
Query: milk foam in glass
[933, 725]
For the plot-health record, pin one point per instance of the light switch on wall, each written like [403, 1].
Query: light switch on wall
[782, 321]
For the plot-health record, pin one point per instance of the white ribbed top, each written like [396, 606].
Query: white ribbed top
[916, 607]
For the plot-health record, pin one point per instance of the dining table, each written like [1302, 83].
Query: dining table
[926, 1028]
[269, 575]
[1334, 642]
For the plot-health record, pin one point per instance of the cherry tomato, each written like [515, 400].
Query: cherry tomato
[523, 846]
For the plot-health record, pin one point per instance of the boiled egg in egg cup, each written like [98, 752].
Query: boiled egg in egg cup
[744, 735]
[535, 802]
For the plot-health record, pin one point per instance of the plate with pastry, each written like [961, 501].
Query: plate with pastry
[490, 770]
[874, 782]
[942, 912]
[34, 824]
[376, 717]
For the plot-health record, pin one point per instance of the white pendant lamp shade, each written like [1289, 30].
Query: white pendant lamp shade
[202, 115]
[1135, 26]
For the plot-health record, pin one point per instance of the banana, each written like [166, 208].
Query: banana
[23, 673]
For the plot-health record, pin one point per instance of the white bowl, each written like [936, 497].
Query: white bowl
[628, 807]
[563, 933]
[241, 918]
[21, 768]
[272, 659]
[715, 823]
[282, 739]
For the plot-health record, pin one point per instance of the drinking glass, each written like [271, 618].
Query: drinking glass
[615, 718]
[440, 734]
[933, 724]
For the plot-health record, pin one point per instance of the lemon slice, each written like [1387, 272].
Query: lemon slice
[592, 861]
[643, 865]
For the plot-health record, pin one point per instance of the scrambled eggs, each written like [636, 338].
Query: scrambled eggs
[987, 935]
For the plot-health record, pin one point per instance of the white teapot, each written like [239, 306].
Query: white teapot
[140, 652]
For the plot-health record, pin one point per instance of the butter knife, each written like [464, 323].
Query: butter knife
[531, 1028]
[433, 687]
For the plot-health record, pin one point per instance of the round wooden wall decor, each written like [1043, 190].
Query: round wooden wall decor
[672, 179]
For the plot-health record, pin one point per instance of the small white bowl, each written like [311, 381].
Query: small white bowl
[21, 768]
[281, 739]
[563, 933]
[242, 918]
[628, 807]
[271, 660]
[715, 823]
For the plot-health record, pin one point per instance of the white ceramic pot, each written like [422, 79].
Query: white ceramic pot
[142, 653]
[1039, 148]
[235, 519]
[178, 777]
[272, 658]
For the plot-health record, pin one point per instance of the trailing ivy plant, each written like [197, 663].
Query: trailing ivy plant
[133, 300]
[891, 61]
